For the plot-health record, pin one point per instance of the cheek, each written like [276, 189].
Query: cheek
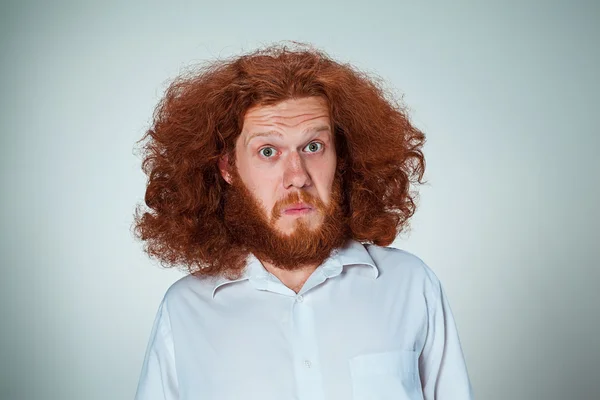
[264, 189]
[327, 194]
[266, 198]
[324, 176]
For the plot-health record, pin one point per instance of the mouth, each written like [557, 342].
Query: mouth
[298, 209]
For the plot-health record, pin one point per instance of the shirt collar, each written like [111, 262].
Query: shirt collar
[352, 253]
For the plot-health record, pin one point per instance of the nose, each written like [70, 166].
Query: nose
[295, 173]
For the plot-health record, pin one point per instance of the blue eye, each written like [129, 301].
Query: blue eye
[267, 152]
[314, 147]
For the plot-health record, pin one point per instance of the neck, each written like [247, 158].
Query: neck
[293, 279]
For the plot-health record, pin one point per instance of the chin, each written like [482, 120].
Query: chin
[293, 226]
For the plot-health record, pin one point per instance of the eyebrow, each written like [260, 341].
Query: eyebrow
[321, 128]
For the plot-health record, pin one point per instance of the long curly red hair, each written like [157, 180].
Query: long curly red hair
[201, 116]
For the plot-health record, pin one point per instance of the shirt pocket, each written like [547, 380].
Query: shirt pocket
[386, 375]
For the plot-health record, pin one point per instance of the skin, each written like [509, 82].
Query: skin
[286, 148]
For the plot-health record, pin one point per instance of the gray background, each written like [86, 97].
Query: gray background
[507, 93]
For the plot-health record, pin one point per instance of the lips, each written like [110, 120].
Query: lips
[298, 207]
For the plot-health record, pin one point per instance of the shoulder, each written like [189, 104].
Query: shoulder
[188, 288]
[394, 263]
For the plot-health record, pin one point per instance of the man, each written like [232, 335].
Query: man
[277, 179]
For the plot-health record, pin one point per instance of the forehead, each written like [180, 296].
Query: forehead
[287, 114]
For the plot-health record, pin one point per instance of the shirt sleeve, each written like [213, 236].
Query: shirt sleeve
[442, 365]
[158, 379]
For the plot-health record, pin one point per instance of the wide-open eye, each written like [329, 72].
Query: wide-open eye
[314, 147]
[267, 152]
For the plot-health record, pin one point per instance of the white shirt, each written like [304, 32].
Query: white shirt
[370, 323]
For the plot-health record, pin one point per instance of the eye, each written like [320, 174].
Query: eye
[314, 147]
[267, 152]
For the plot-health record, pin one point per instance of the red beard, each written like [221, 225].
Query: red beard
[250, 228]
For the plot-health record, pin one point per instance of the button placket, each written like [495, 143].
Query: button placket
[305, 346]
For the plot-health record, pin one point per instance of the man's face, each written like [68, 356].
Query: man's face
[285, 157]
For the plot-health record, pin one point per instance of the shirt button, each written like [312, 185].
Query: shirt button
[299, 298]
[307, 363]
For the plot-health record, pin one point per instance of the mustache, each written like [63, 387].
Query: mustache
[294, 198]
